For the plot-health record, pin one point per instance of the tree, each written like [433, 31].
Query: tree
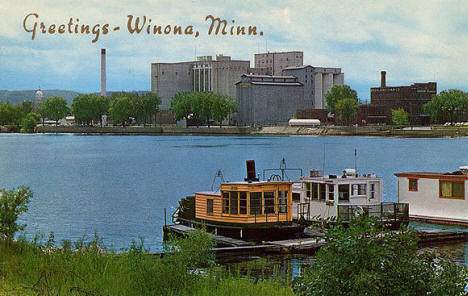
[146, 106]
[29, 122]
[89, 107]
[448, 105]
[121, 109]
[400, 116]
[337, 93]
[365, 259]
[12, 204]
[346, 108]
[8, 114]
[56, 108]
[202, 107]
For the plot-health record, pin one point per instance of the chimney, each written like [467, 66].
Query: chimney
[251, 174]
[383, 83]
[103, 72]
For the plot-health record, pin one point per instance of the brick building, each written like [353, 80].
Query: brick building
[385, 98]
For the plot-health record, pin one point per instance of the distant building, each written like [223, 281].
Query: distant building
[317, 82]
[204, 74]
[38, 95]
[411, 98]
[268, 100]
[277, 61]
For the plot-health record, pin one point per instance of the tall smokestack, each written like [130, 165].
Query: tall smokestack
[383, 82]
[103, 72]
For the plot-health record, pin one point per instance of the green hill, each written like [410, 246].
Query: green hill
[17, 96]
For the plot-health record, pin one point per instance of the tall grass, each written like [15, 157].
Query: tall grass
[87, 268]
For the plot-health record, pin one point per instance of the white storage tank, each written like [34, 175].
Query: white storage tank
[304, 122]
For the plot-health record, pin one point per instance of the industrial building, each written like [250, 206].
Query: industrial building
[317, 82]
[385, 98]
[204, 74]
[275, 62]
[268, 100]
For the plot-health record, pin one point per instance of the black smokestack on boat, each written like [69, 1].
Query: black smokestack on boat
[251, 174]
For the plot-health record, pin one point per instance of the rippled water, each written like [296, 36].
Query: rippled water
[118, 186]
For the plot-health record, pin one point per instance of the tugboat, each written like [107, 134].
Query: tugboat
[249, 210]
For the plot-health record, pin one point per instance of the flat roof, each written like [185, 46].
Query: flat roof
[431, 175]
[269, 76]
[258, 183]
[214, 193]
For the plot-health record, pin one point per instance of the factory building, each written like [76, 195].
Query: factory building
[275, 62]
[204, 74]
[385, 98]
[317, 82]
[268, 100]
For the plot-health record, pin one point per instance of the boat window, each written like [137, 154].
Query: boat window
[372, 190]
[269, 200]
[343, 192]
[283, 201]
[209, 206]
[255, 203]
[296, 196]
[323, 193]
[225, 202]
[331, 192]
[450, 189]
[233, 199]
[242, 203]
[359, 189]
[308, 185]
[413, 184]
[315, 191]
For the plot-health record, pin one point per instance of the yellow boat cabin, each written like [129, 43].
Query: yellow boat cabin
[246, 203]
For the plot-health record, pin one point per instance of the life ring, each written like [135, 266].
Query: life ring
[359, 211]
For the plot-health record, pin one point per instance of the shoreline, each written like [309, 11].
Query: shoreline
[377, 131]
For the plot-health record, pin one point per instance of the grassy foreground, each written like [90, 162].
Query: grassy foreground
[32, 268]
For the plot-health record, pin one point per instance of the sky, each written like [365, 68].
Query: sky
[414, 41]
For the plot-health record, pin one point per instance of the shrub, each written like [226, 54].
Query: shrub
[12, 204]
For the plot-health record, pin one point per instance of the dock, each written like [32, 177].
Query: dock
[218, 239]
[309, 244]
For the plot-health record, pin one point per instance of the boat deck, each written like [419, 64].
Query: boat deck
[223, 240]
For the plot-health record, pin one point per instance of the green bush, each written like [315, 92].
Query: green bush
[367, 260]
[12, 204]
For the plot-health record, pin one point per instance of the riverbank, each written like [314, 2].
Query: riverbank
[369, 131]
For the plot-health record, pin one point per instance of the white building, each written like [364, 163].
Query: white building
[322, 197]
[435, 197]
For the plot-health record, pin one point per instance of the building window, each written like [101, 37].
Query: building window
[255, 203]
[283, 201]
[359, 189]
[269, 200]
[296, 196]
[308, 186]
[331, 192]
[162, 73]
[225, 202]
[233, 198]
[372, 191]
[176, 73]
[413, 184]
[209, 206]
[242, 203]
[452, 189]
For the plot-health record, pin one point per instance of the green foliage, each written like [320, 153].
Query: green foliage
[12, 204]
[364, 259]
[146, 106]
[89, 107]
[400, 116]
[449, 105]
[29, 122]
[42, 268]
[55, 108]
[121, 109]
[337, 93]
[202, 107]
[346, 108]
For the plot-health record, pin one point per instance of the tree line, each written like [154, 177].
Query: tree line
[88, 109]
[202, 108]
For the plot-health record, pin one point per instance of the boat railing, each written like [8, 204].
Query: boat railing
[385, 212]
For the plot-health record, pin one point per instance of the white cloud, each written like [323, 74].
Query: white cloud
[412, 40]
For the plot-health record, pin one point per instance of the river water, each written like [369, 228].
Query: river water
[118, 186]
